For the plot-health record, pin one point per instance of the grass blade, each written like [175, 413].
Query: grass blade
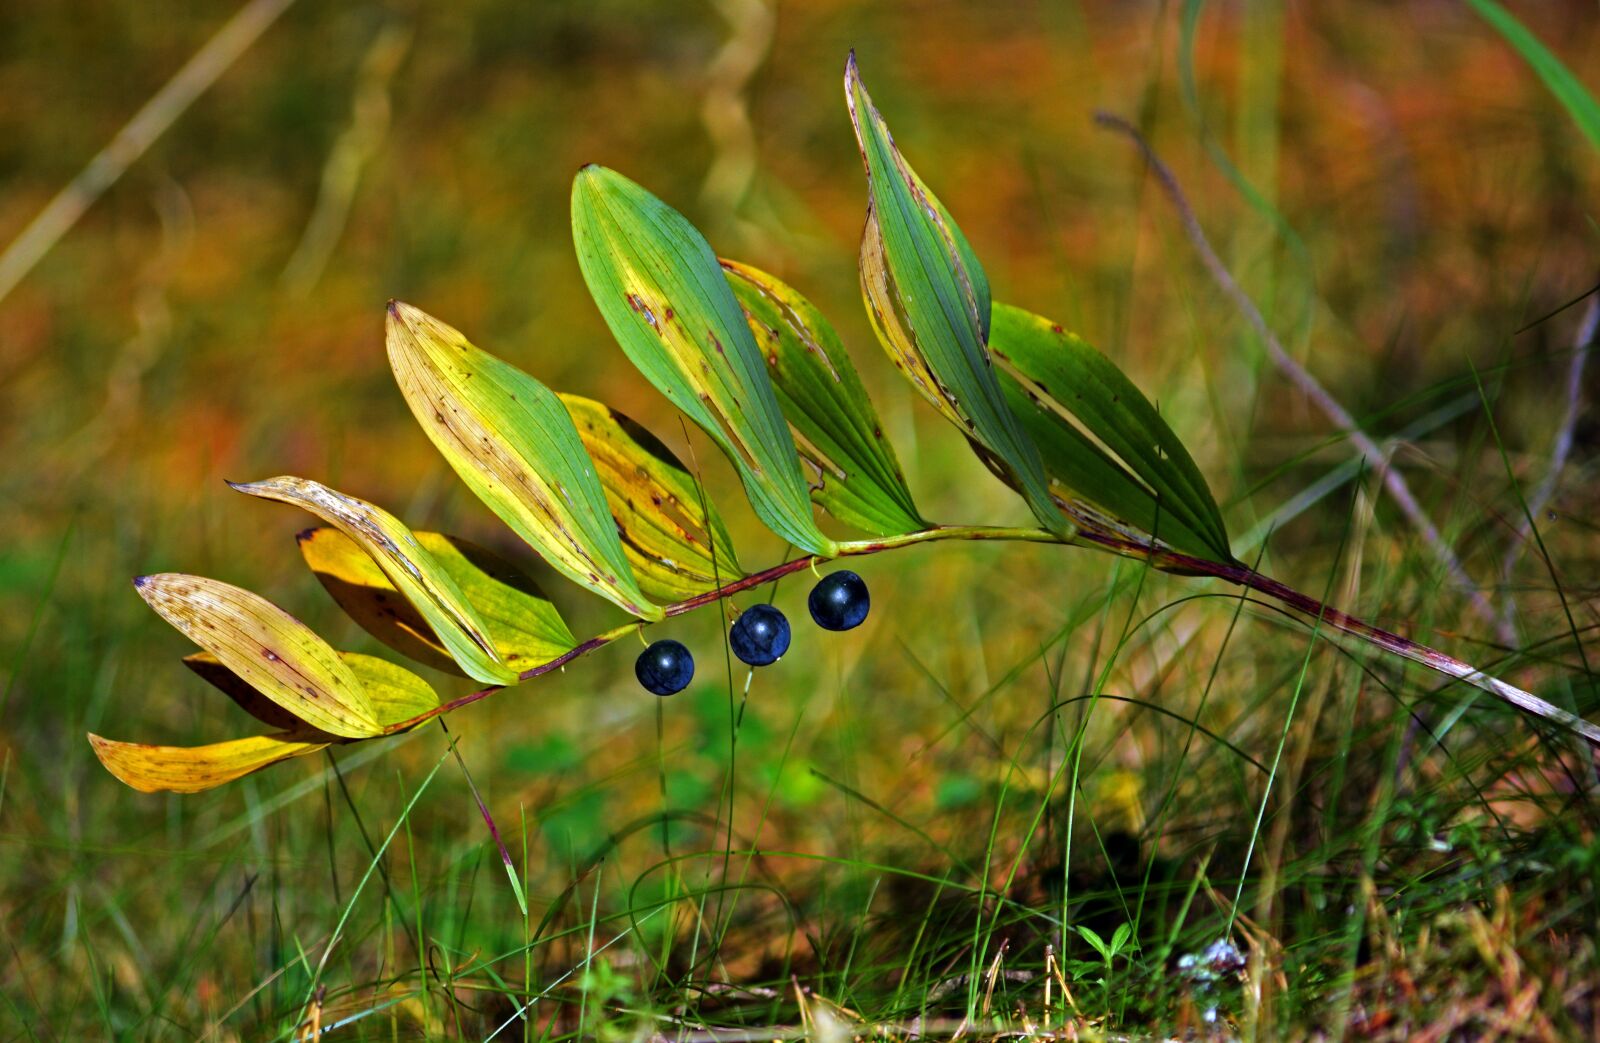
[1568, 89]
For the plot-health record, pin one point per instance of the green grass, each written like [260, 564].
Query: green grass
[921, 827]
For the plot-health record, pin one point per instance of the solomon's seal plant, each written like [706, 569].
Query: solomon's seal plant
[760, 370]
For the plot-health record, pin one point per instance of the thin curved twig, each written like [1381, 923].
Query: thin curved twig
[1559, 451]
[1393, 480]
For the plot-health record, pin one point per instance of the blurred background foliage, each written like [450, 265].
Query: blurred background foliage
[218, 314]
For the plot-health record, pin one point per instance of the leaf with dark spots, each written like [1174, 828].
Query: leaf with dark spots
[519, 620]
[396, 694]
[834, 425]
[409, 566]
[640, 259]
[514, 446]
[671, 542]
[272, 651]
[928, 300]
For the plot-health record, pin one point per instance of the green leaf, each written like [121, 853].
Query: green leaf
[662, 293]
[271, 650]
[408, 565]
[657, 506]
[1075, 401]
[193, 769]
[928, 300]
[1095, 941]
[523, 626]
[513, 444]
[857, 478]
[1568, 89]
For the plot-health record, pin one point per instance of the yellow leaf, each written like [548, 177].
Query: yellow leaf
[408, 565]
[191, 769]
[396, 693]
[271, 650]
[657, 506]
[210, 669]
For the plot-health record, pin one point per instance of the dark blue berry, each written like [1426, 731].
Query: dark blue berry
[665, 668]
[759, 636]
[840, 601]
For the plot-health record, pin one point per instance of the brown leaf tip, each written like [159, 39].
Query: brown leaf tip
[139, 582]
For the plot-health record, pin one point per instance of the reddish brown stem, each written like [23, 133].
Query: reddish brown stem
[1158, 556]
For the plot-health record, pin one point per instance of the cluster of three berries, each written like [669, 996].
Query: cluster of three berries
[760, 635]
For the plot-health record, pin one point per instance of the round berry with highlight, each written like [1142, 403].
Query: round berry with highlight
[665, 668]
[760, 635]
[840, 601]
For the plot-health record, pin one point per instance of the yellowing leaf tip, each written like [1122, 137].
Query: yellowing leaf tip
[408, 315]
[147, 584]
